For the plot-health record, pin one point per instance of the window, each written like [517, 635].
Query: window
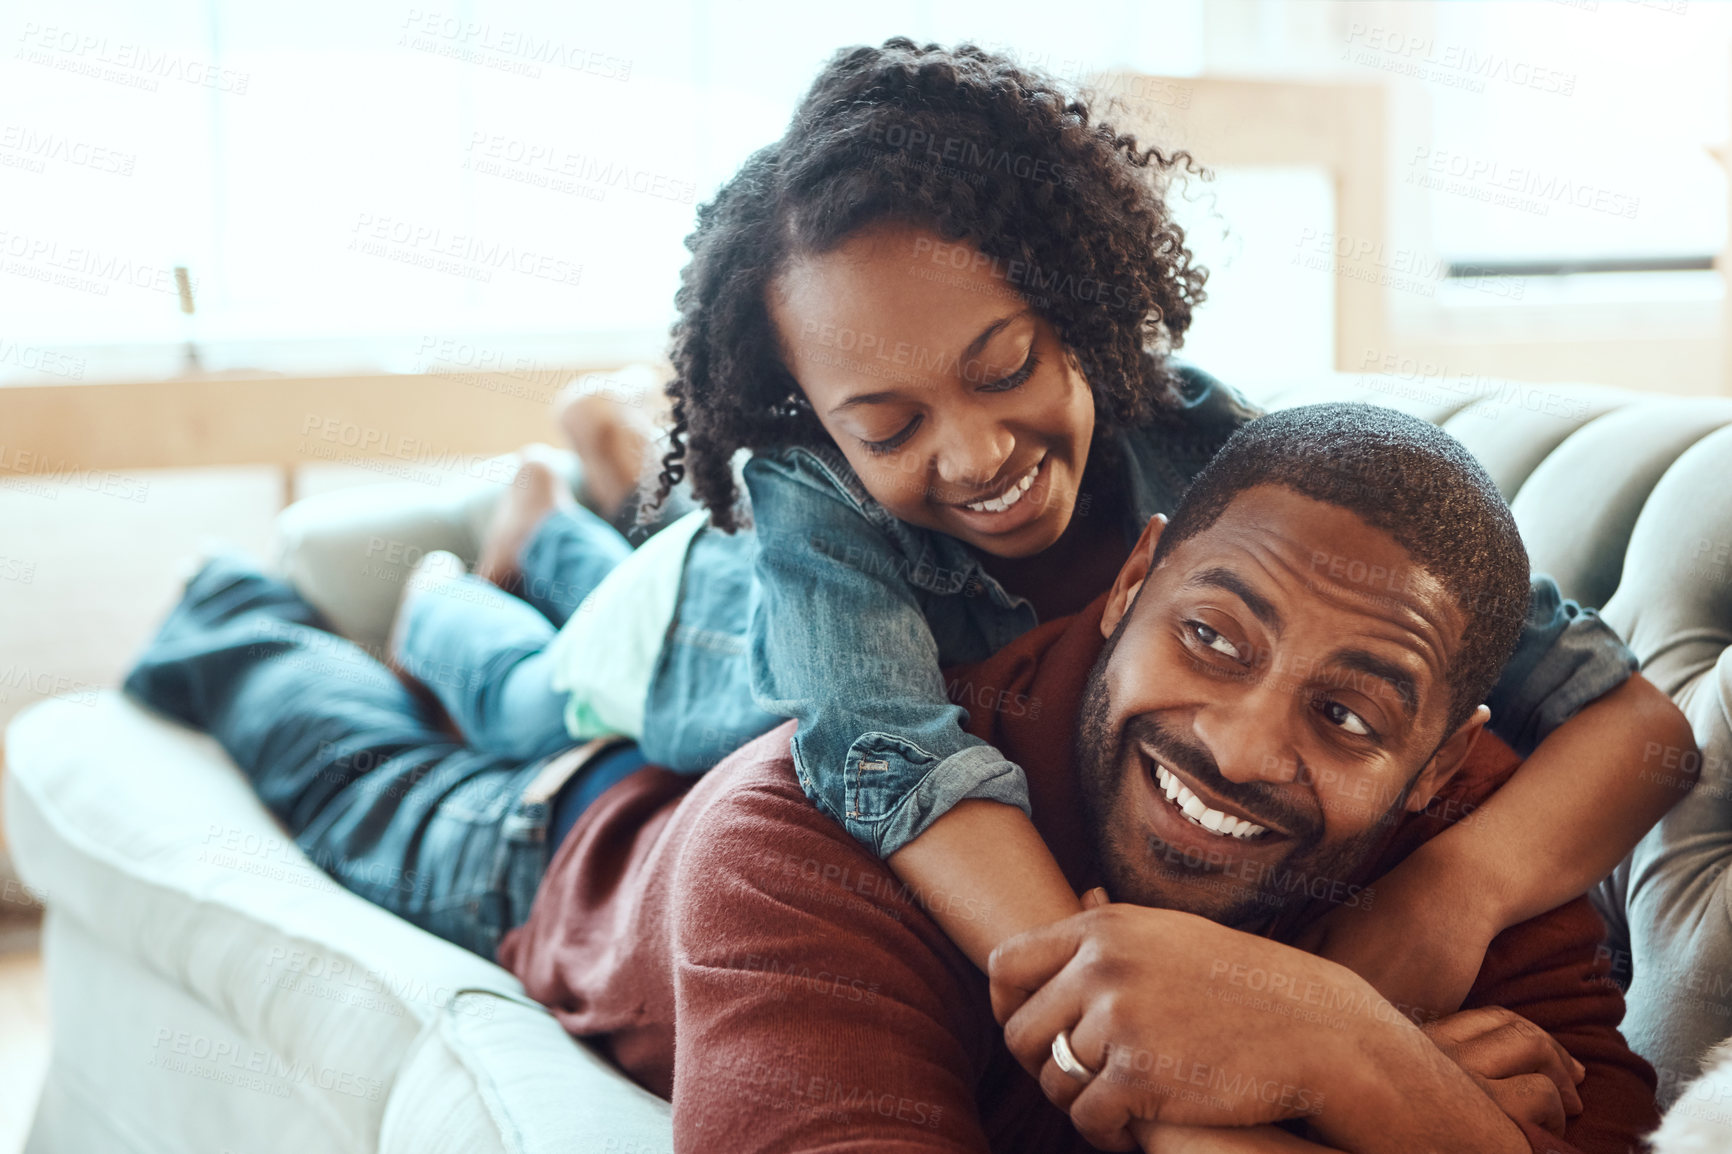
[388, 186]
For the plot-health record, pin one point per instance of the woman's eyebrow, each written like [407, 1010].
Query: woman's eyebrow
[990, 331]
[973, 349]
[866, 399]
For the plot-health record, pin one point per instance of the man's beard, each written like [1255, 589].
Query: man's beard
[1144, 870]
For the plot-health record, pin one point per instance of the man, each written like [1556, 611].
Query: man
[1264, 734]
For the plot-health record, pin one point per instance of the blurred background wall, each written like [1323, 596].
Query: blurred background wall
[492, 195]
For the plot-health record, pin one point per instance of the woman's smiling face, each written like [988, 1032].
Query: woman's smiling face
[954, 401]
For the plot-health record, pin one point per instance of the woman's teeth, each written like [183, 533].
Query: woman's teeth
[1192, 807]
[1010, 496]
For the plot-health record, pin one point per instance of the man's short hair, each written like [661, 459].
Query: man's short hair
[1406, 477]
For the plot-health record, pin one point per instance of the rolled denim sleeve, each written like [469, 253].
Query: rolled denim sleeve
[1566, 658]
[840, 643]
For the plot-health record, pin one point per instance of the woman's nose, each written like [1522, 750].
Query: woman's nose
[974, 452]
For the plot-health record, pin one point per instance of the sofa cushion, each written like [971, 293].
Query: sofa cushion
[142, 1067]
[144, 834]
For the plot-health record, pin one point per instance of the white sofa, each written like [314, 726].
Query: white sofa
[213, 993]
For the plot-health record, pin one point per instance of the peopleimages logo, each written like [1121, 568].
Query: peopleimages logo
[1516, 186]
[39, 147]
[41, 360]
[462, 254]
[131, 65]
[252, 1067]
[28, 464]
[518, 51]
[86, 269]
[1040, 284]
[548, 165]
[965, 154]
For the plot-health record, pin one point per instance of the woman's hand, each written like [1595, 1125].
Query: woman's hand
[1525, 1070]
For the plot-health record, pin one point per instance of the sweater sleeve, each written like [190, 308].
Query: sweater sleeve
[1555, 971]
[816, 1008]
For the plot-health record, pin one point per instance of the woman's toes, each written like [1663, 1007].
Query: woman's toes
[540, 482]
[611, 436]
[537, 489]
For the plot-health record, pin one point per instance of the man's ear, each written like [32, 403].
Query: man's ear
[1131, 574]
[1448, 759]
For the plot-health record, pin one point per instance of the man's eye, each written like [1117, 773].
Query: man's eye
[1338, 714]
[1214, 640]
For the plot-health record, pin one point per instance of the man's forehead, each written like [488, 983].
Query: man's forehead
[1291, 558]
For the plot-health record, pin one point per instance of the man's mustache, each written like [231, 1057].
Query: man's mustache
[1266, 804]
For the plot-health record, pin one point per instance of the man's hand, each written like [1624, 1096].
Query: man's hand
[1525, 1070]
[1186, 1021]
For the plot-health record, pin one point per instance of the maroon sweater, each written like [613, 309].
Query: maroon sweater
[816, 1007]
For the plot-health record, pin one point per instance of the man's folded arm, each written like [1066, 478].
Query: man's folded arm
[1555, 972]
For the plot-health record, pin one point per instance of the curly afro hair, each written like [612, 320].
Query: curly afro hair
[978, 150]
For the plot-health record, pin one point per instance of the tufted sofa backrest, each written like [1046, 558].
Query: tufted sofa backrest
[1578, 463]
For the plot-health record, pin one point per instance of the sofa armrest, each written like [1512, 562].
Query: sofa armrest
[349, 552]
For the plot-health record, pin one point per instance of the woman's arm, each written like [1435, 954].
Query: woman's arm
[841, 643]
[1582, 801]
[984, 874]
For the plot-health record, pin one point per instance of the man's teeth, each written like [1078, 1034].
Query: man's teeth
[1010, 496]
[1192, 807]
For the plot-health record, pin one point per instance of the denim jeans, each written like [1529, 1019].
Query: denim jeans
[351, 760]
[482, 651]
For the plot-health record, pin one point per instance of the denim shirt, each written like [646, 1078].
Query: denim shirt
[835, 613]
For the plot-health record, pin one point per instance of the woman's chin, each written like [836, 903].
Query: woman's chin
[1035, 535]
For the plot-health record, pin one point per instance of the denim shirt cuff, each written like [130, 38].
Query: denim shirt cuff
[979, 771]
[1584, 660]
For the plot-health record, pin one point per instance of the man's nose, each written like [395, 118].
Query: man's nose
[1249, 734]
[975, 449]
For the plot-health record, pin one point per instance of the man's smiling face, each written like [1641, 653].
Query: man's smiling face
[1263, 712]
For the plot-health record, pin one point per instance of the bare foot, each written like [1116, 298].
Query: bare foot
[537, 489]
[610, 422]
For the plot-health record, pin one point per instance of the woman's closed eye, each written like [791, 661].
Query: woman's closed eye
[1016, 379]
[891, 444]
[1002, 385]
